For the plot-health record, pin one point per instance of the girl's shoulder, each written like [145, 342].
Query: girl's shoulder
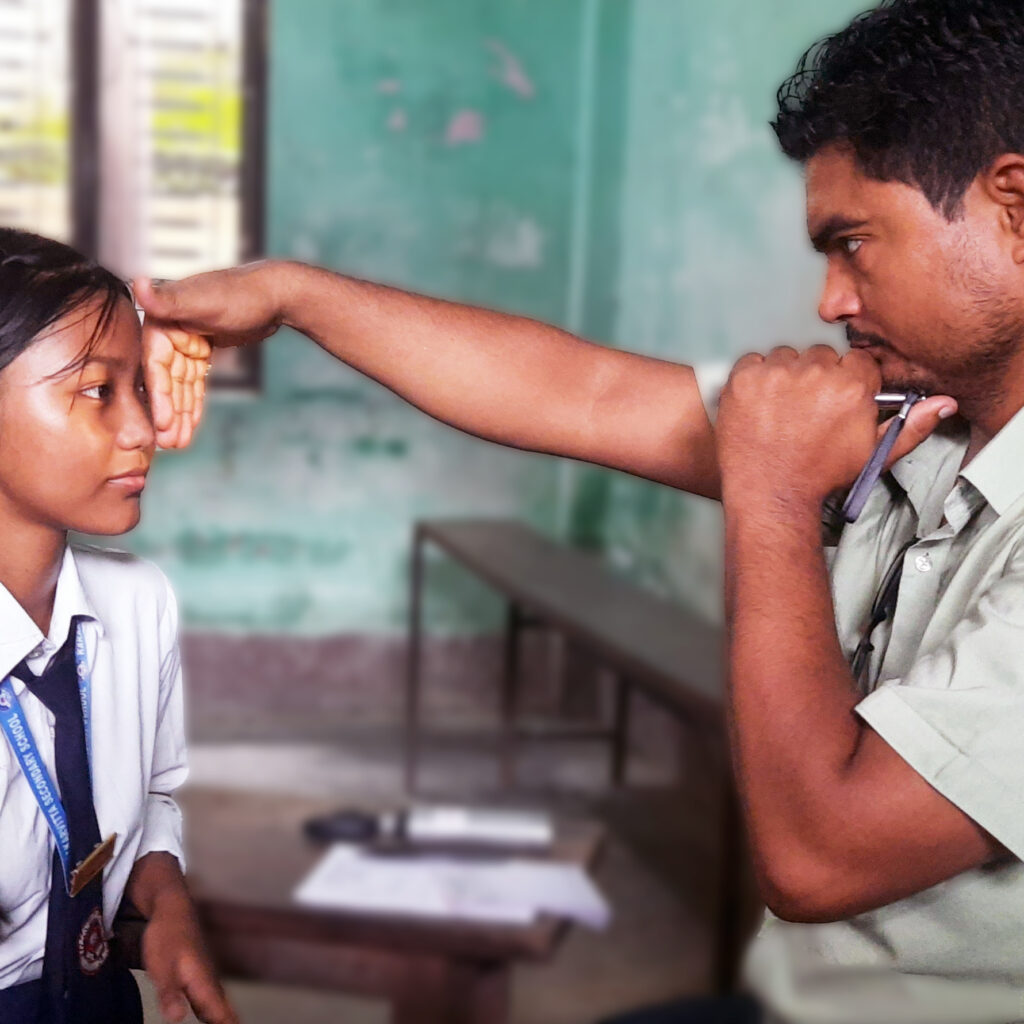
[120, 583]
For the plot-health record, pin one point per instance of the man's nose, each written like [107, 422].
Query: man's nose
[839, 299]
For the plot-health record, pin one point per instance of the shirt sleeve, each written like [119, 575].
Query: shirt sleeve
[711, 378]
[161, 830]
[957, 716]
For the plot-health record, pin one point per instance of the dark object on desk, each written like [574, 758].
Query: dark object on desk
[344, 827]
[459, 831]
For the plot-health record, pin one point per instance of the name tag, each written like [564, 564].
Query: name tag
[88, 868]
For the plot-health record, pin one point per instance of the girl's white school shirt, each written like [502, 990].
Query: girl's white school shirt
[137, 742]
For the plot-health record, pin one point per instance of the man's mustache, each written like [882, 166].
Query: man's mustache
[863, 338]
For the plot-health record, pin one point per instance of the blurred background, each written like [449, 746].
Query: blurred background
[604, 165]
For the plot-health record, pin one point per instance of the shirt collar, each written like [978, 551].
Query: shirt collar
[917, 472]
[997, 471]
[19, 635]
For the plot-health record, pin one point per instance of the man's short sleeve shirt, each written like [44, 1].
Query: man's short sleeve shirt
[945, 688]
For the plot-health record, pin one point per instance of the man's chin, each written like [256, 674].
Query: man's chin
[923, 384]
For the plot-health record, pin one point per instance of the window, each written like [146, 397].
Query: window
[134, 130]
[35, 141]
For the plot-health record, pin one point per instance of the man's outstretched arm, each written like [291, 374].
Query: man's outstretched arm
[504, 378]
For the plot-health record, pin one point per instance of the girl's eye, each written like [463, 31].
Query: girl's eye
[98, 391]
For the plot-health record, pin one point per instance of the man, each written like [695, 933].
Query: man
[882, 804]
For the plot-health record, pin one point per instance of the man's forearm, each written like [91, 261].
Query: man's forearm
[791, 695]
[510, 379]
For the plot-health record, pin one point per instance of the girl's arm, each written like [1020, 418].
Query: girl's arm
[173, 953]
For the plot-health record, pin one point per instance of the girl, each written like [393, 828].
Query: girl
[90, 680]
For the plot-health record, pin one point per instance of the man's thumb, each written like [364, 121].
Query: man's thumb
[156, 300]
[922, 420]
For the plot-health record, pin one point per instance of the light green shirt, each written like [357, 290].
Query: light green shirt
[946, 690]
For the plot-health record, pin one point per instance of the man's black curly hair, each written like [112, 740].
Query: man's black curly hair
[925, 92]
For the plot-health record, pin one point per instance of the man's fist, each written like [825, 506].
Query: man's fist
[803, 424]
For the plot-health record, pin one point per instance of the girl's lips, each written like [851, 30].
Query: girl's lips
[132, 482]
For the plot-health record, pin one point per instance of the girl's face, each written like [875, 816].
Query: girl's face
[76, 441]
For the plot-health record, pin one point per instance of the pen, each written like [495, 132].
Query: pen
[858, 496]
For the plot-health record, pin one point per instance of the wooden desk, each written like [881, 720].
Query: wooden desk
[246, 855]
[647, 642]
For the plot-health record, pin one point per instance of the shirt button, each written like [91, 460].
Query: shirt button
[923, 563]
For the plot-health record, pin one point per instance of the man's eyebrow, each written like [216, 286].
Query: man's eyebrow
[822, 238]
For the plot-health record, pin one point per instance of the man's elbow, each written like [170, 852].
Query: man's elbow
[806, 890]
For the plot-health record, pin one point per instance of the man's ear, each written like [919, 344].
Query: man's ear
[1004, 184]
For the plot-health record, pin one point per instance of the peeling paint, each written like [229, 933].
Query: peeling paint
[398, 121]
[510, 71]
[465, 126]
[517, 244]
[389, 87]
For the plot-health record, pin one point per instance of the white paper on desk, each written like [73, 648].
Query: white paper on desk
[502, 892]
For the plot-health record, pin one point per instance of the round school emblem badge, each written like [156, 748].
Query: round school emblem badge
[5, 701]
[93, 948]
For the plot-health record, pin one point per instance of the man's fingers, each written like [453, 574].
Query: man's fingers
[922, 420]
[863, 364]
[200, 398]
[188, 391]
[824, 355]
[158, 387]
[178, 363]
[782, 354]
[157, 301]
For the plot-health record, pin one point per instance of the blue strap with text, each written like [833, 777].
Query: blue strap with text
[12, 721]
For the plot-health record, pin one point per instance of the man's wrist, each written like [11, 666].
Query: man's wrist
[756, 498]
[288, 282]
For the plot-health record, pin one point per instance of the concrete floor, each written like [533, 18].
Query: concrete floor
[658, 870]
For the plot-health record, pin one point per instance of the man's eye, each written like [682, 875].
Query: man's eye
[850, 246]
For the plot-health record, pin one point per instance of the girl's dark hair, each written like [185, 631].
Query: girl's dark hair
[925, 92]
[41, 282]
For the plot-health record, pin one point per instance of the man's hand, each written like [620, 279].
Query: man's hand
[184, 320]
[801, 425]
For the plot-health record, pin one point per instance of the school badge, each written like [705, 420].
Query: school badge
[93, 948]
[5, 701]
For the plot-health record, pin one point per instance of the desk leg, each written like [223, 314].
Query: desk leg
[620, 730]
[437, 991]
[509, 685]
[413, 666]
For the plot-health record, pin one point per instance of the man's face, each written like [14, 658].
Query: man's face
[938, 304]
[76, 441]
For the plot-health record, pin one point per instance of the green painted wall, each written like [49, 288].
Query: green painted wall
[715, 260]
[602, 164]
